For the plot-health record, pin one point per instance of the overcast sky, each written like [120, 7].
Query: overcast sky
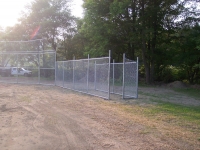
[10, 10]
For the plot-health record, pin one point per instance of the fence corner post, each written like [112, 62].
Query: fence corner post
[95, 75]
[88, 68]
[123, 84]
[137, 78]
[39, 68]
[109, 74]
[73, 73]
[113, 75]
[17, 67]
[55, 65]
[63, 74]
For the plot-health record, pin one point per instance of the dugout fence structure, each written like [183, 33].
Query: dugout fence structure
[94, 76]
[99, 77]
[89, 76]
[30, 56]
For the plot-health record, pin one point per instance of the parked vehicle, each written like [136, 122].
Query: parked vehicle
[12, 71]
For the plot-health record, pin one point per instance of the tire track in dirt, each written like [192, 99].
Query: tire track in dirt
[52, 118]
[67, 128]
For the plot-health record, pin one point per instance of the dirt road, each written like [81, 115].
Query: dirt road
[52, 118]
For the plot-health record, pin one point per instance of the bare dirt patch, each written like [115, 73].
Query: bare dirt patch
[49, 117]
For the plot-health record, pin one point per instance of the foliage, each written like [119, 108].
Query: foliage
[146, 29]
[187, 54]
[164, 34]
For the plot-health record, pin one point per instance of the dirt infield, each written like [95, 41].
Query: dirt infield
[34, 117]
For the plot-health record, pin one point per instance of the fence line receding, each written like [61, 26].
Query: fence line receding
[94, 76]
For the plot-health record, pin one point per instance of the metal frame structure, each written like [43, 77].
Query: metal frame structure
[127, 85]
[39, 68]
[31, 58]
[94, 76]
[83, 76]
[126, 74]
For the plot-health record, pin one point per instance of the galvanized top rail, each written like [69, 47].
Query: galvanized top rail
[26, 52]
[86, 59]
[20, 41]
[132, 62]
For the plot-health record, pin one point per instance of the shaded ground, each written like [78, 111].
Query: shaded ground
[49, 117]
[167, 95]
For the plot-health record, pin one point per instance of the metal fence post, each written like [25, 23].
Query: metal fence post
[63, 73]
[123, 84]
[95, 75]
[39, 68]
[17, 67]
[113, 74]
[55, 66]
[137, 78]
[88, 72]
[109, 74]
[73, 72]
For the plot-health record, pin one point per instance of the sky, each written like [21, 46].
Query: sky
[10, 10]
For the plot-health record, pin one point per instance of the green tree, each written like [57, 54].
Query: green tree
[98, 29]
[53, 18]
[132, 26]
[188, 52]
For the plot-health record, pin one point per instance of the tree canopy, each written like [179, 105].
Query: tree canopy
[163, 33]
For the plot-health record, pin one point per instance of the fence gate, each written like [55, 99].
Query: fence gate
[130, 78]
[124, 78]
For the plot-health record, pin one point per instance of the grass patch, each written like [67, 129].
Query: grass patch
[166, 111]
[187, 117]
[195, 93]
[189, 113]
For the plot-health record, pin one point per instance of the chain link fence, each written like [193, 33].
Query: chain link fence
[92, 76]
[116, 85]
[26, 62]
[124, 78]
[89, 76]
[130, 87]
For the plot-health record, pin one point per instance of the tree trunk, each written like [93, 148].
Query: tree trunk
[146, 64]
[143, 39]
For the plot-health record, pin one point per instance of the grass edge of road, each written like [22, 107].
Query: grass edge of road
[175, 121]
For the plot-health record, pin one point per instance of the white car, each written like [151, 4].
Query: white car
[20, 71]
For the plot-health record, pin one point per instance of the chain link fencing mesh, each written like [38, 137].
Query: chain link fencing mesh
[94, 76]
[124, 78]
[116, 78]
[89, 76]
[130, 79]
[26, 62]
